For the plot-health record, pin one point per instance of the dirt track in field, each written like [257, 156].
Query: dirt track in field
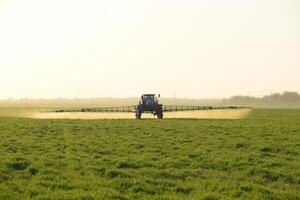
[207, 114]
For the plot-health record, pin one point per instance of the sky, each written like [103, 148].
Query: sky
[117, 48]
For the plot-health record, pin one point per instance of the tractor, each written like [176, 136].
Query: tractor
[149, 104]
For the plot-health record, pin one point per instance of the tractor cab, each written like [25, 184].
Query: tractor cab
[149, 100]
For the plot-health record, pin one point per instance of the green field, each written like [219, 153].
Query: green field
[253, 158]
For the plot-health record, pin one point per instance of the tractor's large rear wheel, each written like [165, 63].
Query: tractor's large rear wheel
[160, 114]
[138, 113]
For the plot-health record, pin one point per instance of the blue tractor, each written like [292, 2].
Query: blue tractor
[149, 104]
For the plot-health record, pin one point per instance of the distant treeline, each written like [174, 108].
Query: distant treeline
[286, 99]
[104, 101]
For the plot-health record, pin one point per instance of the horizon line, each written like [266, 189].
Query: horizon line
[110, 97]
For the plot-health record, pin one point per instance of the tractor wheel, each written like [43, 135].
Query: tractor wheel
[138, 113]
[160, 115]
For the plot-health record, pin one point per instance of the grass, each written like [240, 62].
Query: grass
[253, 158]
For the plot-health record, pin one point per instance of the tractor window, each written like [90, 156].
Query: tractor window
[148, 100]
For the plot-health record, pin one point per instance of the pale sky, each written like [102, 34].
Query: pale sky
[121, 48]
